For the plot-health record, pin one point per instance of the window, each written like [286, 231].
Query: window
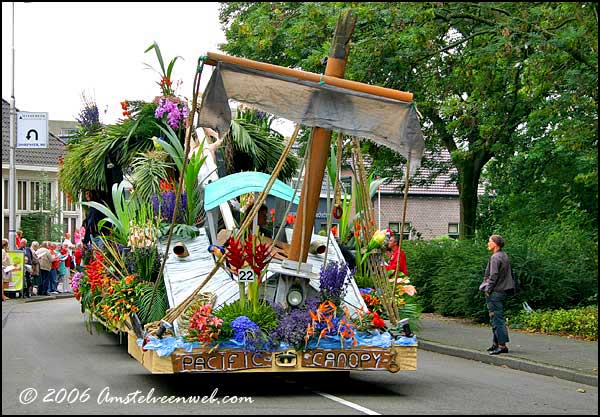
[5, 192]
[67, 203]
[453, 230]
[67, 133]
[41, 195]
[395, 227]
[21, 195]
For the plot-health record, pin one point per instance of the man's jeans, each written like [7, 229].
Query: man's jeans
[496, 308]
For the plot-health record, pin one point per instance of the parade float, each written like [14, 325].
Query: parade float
[197, 289]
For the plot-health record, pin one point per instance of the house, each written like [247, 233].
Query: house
[432, 210]
[37, 176]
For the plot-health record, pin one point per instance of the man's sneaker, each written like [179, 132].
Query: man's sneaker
[491, 348]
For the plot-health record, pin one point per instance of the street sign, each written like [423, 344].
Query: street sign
[32, 130]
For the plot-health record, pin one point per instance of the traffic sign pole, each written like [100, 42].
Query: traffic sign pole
[12, 175]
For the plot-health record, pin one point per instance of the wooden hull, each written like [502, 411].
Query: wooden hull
[394, 359]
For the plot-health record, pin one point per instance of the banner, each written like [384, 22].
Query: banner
[15, 271]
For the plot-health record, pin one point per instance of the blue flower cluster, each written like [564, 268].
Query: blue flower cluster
[247, 332]
[165, 205]
[333, 282]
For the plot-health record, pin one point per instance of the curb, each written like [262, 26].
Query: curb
[512, 362]
[36, 299]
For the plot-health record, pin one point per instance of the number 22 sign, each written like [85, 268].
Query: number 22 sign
[246, 275]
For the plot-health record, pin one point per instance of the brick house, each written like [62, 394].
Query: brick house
[36, 173]
[432, 210]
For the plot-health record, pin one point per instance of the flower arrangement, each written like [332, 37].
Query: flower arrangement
[369, 321]
[95, 270]
[75, 281]
[324, 322]
[175, 110]
[119, 301]
[247, 332]
[333, 282]
[251, 252]
[372, 300]
[142, 236]
[292, 325]
[204, 327]
[164, 206]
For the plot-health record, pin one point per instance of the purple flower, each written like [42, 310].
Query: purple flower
[291, 326]
[75, 281]
[333, 282]
[165, 205]
[175, 110]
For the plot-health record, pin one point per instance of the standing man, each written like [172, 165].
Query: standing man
[496, 282]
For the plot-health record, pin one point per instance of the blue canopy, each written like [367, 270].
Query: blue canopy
[233, 185]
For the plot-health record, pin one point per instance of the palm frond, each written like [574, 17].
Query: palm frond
[148, 170]
[153, 305]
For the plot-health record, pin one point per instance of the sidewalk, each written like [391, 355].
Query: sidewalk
[558, 356]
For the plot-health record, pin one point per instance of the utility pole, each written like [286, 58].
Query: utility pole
[12, 175]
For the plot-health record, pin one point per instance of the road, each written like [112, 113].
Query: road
[52, 365]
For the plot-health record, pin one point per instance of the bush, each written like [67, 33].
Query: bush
[578, 321]
[556, 269]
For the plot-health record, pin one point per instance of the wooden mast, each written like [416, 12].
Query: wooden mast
[319, 150]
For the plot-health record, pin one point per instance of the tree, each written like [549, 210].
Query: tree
[486, 76]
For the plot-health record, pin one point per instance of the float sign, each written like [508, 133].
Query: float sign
[32, 130]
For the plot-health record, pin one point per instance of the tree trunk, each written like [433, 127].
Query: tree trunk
[469, 172]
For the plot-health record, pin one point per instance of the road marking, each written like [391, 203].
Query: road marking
[347, 403]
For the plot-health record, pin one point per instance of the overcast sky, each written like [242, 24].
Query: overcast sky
[65, 49]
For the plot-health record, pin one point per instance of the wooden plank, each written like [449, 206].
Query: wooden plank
[132, 348]
[348, 359]
[220, 361]
[406, 358]
[161, 364]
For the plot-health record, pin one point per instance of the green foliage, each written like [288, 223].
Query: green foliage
[152, 305]
[165, 83]
[144, 262]
[84, 166]
[578, 321]
[148, 169]
[252, 145]
[184, 231]
[264, 316]
[40, 226]
[555, 271]
[493, 81]
[122, 216]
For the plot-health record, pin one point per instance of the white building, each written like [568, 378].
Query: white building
[36, 173]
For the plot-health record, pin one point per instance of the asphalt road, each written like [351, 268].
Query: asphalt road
[52, 365]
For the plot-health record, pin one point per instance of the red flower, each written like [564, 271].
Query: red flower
[272, 212]
[257, 254]
[377, 321]
[290, 218]
[235, 254]
[165, 80]
[334, 230]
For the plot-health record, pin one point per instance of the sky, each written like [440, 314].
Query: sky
[64, 50]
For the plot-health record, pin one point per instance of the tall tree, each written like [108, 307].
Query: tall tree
[485, 75]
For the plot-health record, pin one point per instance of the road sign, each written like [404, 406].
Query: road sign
[32, 130]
